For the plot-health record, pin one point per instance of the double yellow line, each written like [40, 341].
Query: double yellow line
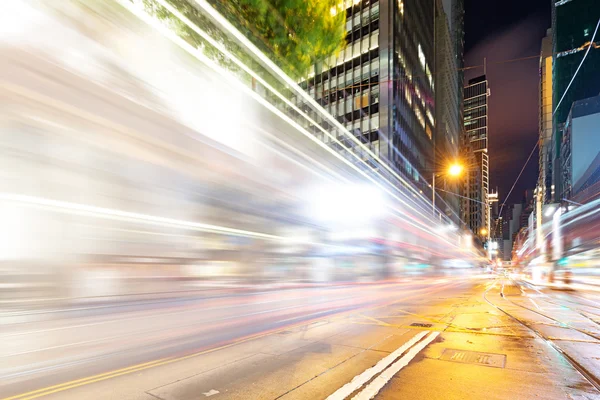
[84, 381]
[139, 367]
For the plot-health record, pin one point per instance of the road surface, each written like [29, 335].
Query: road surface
[446, 337]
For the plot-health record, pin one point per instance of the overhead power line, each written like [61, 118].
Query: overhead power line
[553, 113]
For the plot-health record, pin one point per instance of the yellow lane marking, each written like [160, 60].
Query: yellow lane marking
[164, 361]
[379, 322]
[128, 369]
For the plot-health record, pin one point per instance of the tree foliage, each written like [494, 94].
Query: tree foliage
[294, 33]
[298, 32]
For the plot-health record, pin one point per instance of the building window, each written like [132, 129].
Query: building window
[430, 116]
[408, 94]
[420, 117]
[422, 57]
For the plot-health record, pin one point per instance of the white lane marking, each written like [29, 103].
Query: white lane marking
[363, 378]
[212, 392]
[374, 387]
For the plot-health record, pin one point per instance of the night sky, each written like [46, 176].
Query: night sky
[502, 30]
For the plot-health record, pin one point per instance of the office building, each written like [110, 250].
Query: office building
[580, 152]
[448, 98]
[545, 120]
[476, 94]
[381, 87]
[573, 25]
[471, 204]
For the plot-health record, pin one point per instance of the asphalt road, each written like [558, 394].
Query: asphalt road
[426, 337]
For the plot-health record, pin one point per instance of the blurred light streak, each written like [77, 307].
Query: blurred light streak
[272, 66]
[338, 177]
[167, 32]
[248, 70]
[118, 215]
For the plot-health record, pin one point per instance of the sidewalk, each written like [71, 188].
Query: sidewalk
[578, 284]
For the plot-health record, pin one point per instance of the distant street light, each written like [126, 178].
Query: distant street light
[483, 231]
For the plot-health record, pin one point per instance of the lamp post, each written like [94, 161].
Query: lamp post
[454, 170]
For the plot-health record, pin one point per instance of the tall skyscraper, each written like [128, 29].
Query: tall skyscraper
[471, 203]
[476, 135]
[448, 98]
[573, 24]
[381, 87]
[545, 119]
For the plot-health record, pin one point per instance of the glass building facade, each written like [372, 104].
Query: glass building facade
[476, 135]
[381, 86]
[545, 119]
[573, 25]
[448, 97]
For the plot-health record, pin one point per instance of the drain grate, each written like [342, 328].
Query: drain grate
[474, 357]
[421, 325]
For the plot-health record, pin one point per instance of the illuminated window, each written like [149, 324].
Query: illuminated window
[419, 116]
[422, 56]
[401, 7]
[430, 116]
[425, 66]
[407, 94]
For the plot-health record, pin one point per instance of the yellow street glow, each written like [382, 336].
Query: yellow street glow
[455, 170]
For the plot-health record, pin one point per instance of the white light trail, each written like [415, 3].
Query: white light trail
[293, 85]
[427, 225]
[119, 215]
[168, 33]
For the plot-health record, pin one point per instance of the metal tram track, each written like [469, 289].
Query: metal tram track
[560, 323]
[595, 382]
[575, 310]
[585, 315]
[529, 285]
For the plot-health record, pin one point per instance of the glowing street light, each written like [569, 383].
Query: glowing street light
[483, 231]
[455, 170]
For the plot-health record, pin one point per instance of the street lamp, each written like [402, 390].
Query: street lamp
[483, 231]
[454, 171]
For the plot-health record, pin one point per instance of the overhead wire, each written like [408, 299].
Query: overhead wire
[553, 114]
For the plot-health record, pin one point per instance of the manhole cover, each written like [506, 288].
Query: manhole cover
[474, 357]
[419, 324]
